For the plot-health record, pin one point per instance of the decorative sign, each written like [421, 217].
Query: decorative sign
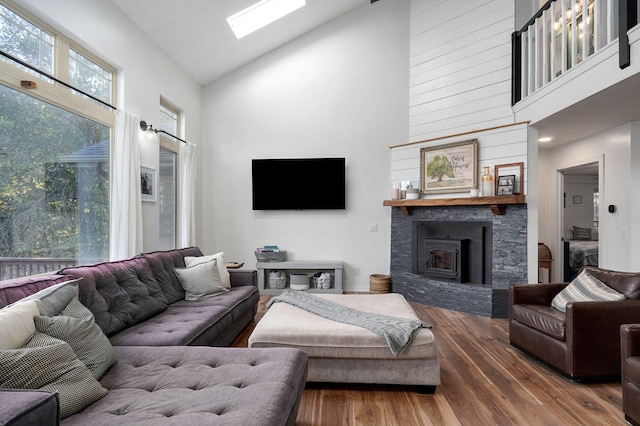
[449, 168]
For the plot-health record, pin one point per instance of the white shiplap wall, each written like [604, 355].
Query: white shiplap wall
[501, 145]
[460, 66]
[460, 84]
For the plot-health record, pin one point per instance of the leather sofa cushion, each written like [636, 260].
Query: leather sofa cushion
[627, 283]
[545, 319]
[162, 264]
[632, 369]
[119, 294]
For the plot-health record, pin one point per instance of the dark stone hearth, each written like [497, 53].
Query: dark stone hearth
[509, 260]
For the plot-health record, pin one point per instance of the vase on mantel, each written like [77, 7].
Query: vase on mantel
[487, 183]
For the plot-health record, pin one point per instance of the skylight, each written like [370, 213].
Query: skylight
[261, 14]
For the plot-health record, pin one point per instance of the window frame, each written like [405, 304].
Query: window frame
[55, 93]
[51, 91]
[173, 145]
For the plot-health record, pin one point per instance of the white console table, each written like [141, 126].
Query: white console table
[305, 268]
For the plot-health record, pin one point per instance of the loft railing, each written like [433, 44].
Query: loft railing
[18, 267]
[564, 33]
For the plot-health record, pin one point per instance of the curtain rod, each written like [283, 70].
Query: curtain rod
[149, 127]
[167, 133]
[57, 80]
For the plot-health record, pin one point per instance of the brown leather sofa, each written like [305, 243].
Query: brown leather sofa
[630, 351]
[584, 343]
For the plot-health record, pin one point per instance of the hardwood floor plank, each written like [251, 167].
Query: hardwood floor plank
[485, 381]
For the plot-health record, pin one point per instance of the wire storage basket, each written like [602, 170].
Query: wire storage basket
[277, 280]
[322, 280]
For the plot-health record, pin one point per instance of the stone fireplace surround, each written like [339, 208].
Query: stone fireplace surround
[509, 260]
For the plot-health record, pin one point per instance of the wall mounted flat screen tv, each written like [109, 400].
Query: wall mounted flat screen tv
[299, 184]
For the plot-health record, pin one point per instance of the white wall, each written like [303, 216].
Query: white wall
[460, 66]
[578, 211]
[145, 73]
[503, 145]
[341, 91]
[612, 149]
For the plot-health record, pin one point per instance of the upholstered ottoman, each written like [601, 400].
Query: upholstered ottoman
[343, 353]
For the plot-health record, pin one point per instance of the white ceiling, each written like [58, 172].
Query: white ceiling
[196, 34]
[612, 107]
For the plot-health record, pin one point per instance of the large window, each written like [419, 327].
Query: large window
[54, 149]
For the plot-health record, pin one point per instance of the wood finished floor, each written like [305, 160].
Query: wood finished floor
[484, 382]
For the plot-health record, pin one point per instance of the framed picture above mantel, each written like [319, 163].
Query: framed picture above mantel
[449, 168]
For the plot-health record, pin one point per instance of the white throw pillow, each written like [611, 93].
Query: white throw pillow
[222, 265]
[200, 281]
[16, 324]
[585, 288]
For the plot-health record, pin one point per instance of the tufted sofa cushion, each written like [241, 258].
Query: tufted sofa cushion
[196, 323]
[200, 385]
[120, 294]
[162, 264]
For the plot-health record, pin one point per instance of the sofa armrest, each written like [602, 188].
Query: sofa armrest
[629, 340]
[594, 328]
[240, 277]
[29, 407]
[534, 294]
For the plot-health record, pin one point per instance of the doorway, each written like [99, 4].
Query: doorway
[580, 218]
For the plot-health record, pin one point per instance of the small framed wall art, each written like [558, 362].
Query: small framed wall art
[148, 184]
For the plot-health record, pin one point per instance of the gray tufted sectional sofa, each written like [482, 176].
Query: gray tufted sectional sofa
[173, 366]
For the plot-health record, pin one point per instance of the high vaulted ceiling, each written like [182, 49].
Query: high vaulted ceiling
[196, 34]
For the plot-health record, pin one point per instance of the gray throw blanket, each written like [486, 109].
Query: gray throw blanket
[395, 332]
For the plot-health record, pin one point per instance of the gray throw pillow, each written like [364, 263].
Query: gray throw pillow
[49, 364]
[582, 234]
[585, 288]
[55, 298]
[201, 280]
[76, 326]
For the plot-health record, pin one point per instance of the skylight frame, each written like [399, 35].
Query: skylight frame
[261, 14]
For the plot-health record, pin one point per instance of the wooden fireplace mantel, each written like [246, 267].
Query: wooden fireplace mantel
[497, 204]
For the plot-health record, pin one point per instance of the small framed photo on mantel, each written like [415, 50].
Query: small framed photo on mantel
[509, 179]
[148, 184]
[505, 185]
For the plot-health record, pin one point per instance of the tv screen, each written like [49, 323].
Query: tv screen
[298, 184]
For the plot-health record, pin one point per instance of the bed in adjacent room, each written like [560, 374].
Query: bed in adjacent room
[577, 254]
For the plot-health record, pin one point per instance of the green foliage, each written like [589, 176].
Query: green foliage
[440, 167]
[51, 203]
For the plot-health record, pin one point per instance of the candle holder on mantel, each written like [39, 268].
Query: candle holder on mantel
[487, 183]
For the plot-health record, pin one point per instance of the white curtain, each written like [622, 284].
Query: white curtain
[186, 199]
[125, 238]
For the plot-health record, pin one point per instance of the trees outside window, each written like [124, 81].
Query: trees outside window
[54, 148]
